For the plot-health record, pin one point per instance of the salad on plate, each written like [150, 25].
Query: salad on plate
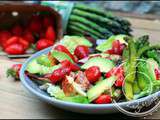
[121, 68]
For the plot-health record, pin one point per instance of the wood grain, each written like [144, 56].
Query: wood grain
[17, 102]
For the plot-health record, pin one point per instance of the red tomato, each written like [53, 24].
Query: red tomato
[4, 36]
[93, 74]
[10, 41]
[29, 37]
[81, 51]
[50, 34]
[15, 49]
[62, 48]
[43, 43]
[103, 99]
[24, 42]
[17, 30]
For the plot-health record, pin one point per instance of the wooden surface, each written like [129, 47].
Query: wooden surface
[17, 102]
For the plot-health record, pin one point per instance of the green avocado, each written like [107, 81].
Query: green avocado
[60, 56]
[95, 91]
[43, 60]
[71, 42]
[35, 68]
[104, 64]
[108, 43]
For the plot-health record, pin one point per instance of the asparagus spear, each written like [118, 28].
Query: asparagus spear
[95, 17]
[85, 28]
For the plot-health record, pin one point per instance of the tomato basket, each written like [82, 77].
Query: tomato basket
[12, 14]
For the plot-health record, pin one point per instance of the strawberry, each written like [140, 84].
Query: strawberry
[93, 74]
[28, 36]
[17, 30]
[73, 67]
[24, 42]
[35, 24]
[10, 41]
[59, 74]
[47, 21]
[62, 48]
[14, 71]
[81, 51]
[103, 99]
[43, 43]
[4, 36]
[15, 49]
[50, 34]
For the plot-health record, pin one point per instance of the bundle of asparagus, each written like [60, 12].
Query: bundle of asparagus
[96, 23]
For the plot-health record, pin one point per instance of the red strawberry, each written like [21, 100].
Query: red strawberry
[35, 24]
[103, 99]
[43, 43]
[62, 48]
[47, 21]
[17, 30]
[15, 49]
[93, 74]
[14, 71]
[81, 51]
[29, 37]
[24, 42]
[50, 34]
[4, 36]
[10, 41]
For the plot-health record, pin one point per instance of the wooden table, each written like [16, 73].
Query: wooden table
[17, 102]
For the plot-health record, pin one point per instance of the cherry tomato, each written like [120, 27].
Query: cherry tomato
[15, 49]
[81, 51]
[43, 43]
[93, 74]
[103, 99]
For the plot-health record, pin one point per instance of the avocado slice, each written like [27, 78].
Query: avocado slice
[35, 68]
[43, 60]
[71, 42]
[108, 43]
[60, 56]
[104, 64]
[95, 91]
